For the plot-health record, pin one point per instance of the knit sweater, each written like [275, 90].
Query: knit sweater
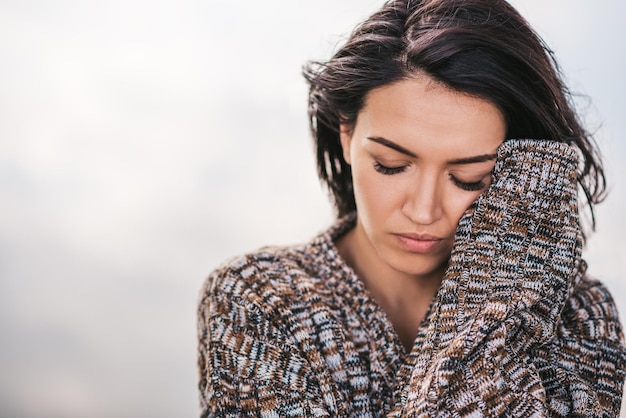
[516, 328]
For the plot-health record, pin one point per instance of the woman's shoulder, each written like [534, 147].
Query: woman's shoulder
[274, 278]
[257, 277]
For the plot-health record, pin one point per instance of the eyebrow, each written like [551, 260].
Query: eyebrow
[458, 161]
[476, 159]
[387, 143]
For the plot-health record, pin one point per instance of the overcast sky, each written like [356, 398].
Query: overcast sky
[143, 142]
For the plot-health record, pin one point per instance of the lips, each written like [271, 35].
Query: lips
[419, 243]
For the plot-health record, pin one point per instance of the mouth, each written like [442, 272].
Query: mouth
[419, 243]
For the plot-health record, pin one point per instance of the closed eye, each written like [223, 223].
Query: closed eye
[468, 186]
[388, 171]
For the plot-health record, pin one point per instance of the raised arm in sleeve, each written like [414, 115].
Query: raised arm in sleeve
[516, 259]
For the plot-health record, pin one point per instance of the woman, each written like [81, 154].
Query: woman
[452, 283]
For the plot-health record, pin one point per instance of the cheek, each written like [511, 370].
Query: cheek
[457, 202]
[375, 193]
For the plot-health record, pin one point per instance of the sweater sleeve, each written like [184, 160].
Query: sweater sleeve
[249, 364]
[516, 258]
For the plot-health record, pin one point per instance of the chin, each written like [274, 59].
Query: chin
[417, 265]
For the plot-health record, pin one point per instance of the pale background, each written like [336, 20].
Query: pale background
[144, 142]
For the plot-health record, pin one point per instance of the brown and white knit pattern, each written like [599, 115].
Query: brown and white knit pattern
[516, 328]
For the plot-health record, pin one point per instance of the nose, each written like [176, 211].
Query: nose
[423, 202]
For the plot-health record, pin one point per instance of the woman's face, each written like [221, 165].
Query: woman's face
[420, 155]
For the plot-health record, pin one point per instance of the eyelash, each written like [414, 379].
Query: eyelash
[388, 171]
[470, 187]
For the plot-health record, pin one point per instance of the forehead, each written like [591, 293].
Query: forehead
[418, 112]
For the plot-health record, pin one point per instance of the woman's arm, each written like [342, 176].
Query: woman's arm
[516, 258]
[249, 364]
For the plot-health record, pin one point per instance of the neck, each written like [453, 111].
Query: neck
[405, 298]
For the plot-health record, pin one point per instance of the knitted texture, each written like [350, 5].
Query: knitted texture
[516, 252]
[516, 328]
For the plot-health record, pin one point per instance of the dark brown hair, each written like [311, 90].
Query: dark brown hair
[483, 48]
